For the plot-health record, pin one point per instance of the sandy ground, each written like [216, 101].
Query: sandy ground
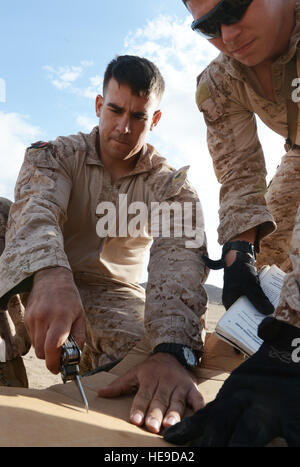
[39, 377]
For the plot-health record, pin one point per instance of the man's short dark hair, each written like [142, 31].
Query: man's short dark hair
[141, 75]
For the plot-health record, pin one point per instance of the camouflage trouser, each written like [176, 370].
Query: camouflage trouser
[114, 314]
[283, 199]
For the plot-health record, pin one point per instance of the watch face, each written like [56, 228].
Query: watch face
[189, 356]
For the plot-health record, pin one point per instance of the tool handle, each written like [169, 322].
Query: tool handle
[70, 359]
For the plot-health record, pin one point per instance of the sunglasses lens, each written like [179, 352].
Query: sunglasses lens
[209, 32]
[226, 12]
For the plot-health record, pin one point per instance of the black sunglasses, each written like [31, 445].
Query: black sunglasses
[225, 12]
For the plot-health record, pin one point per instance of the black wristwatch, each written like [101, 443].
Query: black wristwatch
[184, 354]
[239, 245]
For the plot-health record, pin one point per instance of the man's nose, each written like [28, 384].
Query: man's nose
[124, 125]
[230, 32]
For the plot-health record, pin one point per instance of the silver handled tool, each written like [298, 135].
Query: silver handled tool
[70, 359]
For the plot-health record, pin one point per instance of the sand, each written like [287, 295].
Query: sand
[39, 377]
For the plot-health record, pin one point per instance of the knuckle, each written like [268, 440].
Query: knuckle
[162, 399]
[144, 395]
[36, 314]
[159, 403]
[39, 315]
[180, 403]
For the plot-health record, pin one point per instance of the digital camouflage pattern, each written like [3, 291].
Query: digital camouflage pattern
[114, 315]
[5, 205]
[283, 198]
[14, 340]
[53, 223]
[289, 304]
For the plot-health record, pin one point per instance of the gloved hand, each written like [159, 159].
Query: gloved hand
[257, 403]
[241, 278]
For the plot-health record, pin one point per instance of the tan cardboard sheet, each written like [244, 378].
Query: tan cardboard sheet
[56, 416]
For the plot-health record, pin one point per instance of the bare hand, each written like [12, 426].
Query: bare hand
[165, 390]
[54, 310]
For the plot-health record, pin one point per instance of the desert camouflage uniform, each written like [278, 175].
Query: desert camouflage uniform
[229, 95]
[53, 223]
[14, 340]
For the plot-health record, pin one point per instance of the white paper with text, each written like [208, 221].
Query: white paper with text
[239, 324]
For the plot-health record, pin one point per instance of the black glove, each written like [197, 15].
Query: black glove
[241, 278]
[257, 403]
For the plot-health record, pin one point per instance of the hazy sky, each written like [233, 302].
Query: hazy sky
[53, 56]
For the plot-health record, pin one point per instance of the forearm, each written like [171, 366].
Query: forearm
[175, 298]
[243, 211]
[237, 157]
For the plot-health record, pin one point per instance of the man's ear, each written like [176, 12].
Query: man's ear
[98, 105]
[155, 119]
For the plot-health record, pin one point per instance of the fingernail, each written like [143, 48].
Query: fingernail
[171, 421]
[154, 423]
[137, 418]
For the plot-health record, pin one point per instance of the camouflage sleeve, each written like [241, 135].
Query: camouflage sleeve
[289, 304]
[237, 156]
[175, 297]
[34, 238]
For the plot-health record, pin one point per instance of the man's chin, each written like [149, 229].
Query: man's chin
[120, 147]
[250, 61]
[121, 155]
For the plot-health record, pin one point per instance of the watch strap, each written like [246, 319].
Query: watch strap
[177, 350]
[239, 245]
